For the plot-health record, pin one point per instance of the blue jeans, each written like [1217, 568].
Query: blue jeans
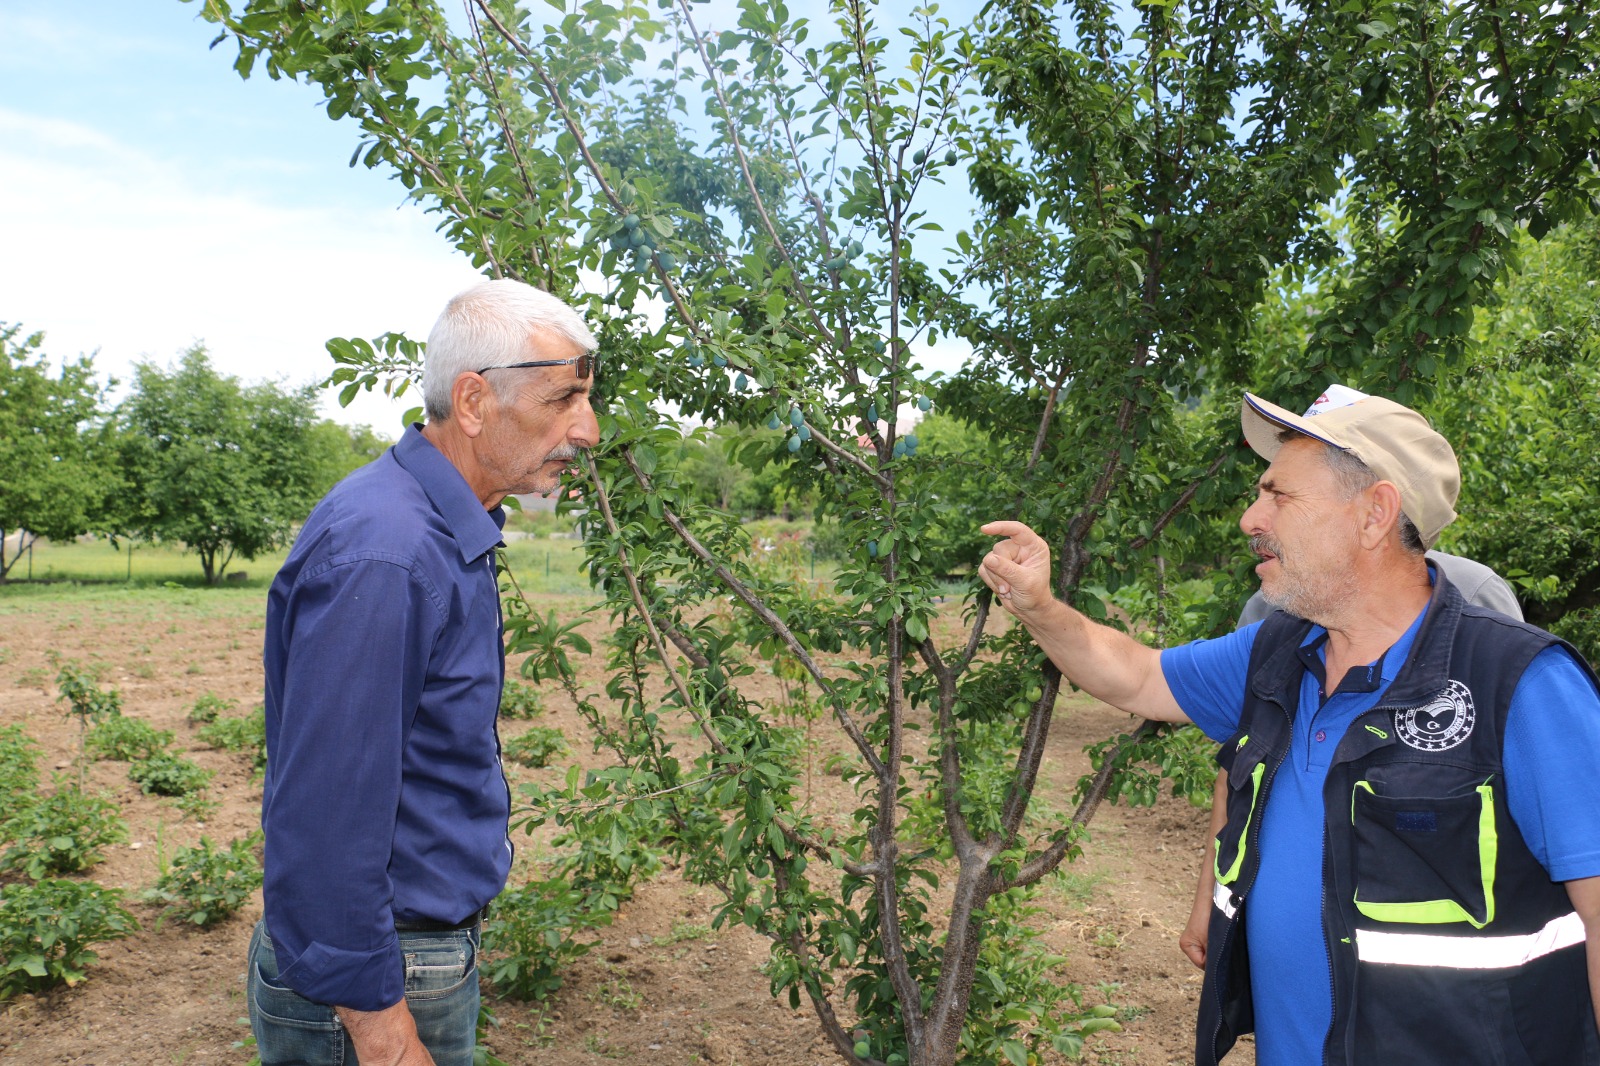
[441, 990]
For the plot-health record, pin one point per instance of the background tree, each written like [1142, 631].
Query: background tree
[1521, 413]
[743, 210]
[55, 479]
[345, 449]
[224, 468]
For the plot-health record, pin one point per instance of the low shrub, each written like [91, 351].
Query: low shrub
[61, 833]
[46, 930]
[19, 773]
[247, 735]
[209, 707]
[166, 774]
[518, 700]
[535, 932]
[205, 884]
[536, 747]
[126, 739]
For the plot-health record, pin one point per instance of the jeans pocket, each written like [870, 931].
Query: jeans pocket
[438, 966]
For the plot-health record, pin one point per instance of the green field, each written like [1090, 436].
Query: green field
[541, 565]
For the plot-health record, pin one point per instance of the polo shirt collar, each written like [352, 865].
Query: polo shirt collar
[475, 530]
[1379, 673]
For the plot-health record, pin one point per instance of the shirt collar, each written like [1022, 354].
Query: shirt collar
[476, 530]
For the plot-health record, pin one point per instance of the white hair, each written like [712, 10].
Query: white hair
[490, 325]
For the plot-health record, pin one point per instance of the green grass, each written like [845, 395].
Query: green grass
[541, 565]
[549, 566]
[97, 561]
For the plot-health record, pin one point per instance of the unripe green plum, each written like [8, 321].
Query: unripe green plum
[630, 222]
[794, 444]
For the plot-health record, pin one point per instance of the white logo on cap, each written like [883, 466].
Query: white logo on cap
[1335, 397]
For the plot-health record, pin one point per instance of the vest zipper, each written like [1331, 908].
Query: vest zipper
[1327, 942]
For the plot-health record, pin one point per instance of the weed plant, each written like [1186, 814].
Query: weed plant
[205, 884]
[197, 806]
[542, 927]
[247, 735]
[46, 930]
[520, 701]
[536, 932]
[126, 740]
[19, 773]
[536, 747]
[61, 833]
[209, 707]
[166, 774]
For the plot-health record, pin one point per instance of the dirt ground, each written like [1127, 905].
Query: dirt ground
[662, 989]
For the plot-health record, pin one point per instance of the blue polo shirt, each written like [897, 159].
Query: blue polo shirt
[1552, 744]
[384, 798]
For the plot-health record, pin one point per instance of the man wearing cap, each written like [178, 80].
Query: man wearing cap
[385, 804]
[1409, 871]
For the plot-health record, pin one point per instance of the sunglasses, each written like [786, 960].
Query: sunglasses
[585, 364]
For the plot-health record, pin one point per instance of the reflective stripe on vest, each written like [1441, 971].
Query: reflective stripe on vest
[1223, 898]
[1468, 952]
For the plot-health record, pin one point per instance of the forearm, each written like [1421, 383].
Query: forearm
[1219, 818]
[1585, 895]
[385, 1037]
[1195, 936]
[1106, 663]
[1593, 948]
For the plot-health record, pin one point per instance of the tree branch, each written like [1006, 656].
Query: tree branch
[762, 611]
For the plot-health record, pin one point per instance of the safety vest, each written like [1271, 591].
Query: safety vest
[1448, 941]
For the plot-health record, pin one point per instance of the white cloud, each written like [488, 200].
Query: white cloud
[114, 248]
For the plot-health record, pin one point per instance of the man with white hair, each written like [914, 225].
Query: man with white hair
[385, 806]
[1409, 871]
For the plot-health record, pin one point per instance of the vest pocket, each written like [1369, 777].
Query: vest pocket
[1244, 791]
[1425, 860]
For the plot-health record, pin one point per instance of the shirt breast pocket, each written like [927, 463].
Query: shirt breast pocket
[1425, 859]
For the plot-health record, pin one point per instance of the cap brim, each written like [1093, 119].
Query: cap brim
[1262, 421]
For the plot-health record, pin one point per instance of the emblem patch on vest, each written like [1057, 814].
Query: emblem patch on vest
[1441, 723]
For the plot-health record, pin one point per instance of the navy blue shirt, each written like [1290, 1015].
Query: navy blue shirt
[385, 800]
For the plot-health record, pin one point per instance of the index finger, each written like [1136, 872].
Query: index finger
[1015, 530]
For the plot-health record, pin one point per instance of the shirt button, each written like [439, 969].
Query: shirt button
[1322, 734]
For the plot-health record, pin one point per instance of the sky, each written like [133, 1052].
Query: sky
[150, 199]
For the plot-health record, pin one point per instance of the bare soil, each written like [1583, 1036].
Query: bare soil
[662, 988]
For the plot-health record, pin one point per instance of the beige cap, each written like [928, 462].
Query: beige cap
[1395, 442]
